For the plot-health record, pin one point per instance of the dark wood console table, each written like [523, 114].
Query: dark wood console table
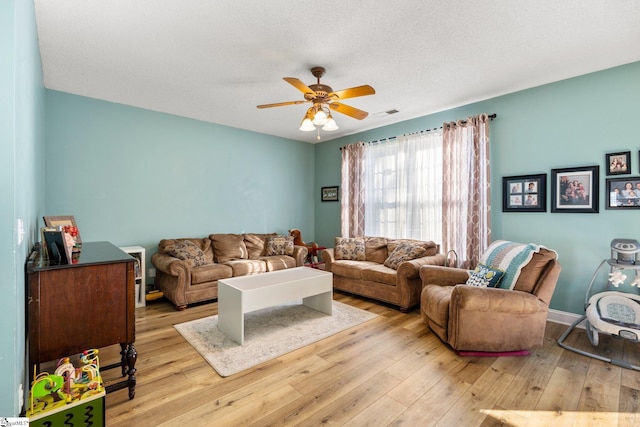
[89, 304]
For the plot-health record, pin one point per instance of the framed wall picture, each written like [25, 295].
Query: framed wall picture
[329, 194]
[524, 193]
[623, 193]
[575, 189]
[618, 163]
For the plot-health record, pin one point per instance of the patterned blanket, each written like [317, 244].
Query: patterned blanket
[509, 257]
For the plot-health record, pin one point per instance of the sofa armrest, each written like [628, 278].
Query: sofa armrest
[412, 267]
[328, 257]
[495, 300]
[171, 265]
[442, 276]
[300, 254]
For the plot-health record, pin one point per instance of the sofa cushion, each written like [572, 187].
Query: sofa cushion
[227, 247]
[210, 273]
[187, 251]
[375, 249]
[278, 262]
[243, 267]
[530, 274]
[430, 247]
[351, 248]
[280, 245]
[485, 276]
[350, 269]
[256, 244]
[380, 274]
[404, 251]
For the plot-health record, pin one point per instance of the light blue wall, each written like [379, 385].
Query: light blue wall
[133, 176]
[570, 123]
[21, 188]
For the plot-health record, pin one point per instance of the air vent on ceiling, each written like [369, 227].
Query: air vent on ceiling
[386, 113]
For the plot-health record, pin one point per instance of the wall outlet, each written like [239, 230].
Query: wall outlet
[20, 231]
[20, 397]
[152, 272]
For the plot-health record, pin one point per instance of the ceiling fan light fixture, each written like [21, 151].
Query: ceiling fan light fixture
[320, 118]
[307, 125]
[331, 124]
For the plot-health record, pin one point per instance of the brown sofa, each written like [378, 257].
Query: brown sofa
[188, 269]
[366, 274]
[490, 319]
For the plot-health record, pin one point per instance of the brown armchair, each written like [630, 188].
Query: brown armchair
[471, 318]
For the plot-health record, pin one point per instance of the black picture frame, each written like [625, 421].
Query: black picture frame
[575, 190]
[524, 193]
[329, 194]
[618, 163]
[56, 247]
[616, 189]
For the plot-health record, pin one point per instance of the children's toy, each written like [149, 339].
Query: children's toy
[67, 384]
[612, 312]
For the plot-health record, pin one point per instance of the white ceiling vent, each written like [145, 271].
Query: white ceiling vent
[386, 113]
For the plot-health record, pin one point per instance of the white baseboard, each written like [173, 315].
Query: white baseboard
[564, 317]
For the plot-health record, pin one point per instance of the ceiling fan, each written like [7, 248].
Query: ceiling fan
[324, 98]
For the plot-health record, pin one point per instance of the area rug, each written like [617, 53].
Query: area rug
[268, 333]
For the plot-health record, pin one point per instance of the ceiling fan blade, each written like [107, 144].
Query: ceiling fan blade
[281, 104]
[299, 85]
[352, 92]
[348, 110]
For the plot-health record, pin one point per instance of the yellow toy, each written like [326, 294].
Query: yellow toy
[67, 384]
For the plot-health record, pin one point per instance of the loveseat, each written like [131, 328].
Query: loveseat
[383, 269]
[188, 269]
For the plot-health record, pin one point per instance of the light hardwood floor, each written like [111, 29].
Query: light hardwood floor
[390, 371]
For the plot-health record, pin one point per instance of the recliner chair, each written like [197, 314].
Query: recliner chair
[487, 319]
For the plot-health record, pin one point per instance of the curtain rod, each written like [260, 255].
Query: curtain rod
[491, 117]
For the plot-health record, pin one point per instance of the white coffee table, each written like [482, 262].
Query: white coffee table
[240, 295]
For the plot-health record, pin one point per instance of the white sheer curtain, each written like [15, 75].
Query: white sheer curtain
[403, 187]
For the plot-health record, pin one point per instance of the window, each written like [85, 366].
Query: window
[403, 187]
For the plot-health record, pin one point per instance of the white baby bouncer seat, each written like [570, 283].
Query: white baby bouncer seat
[611, 312]
[614, 313]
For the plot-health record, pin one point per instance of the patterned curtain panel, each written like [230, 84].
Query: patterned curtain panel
[352, 200]
[466, 192]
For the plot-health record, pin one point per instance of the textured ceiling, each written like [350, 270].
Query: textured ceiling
[216, 60]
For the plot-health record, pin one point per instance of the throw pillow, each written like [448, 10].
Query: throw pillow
[351, 248]
[256, 244]
[188, 251]
[485, 276]
[404, 252]
[375, 249]
[280, 245]
[228, 247]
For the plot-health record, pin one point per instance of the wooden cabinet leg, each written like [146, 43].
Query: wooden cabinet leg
[132, 357]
